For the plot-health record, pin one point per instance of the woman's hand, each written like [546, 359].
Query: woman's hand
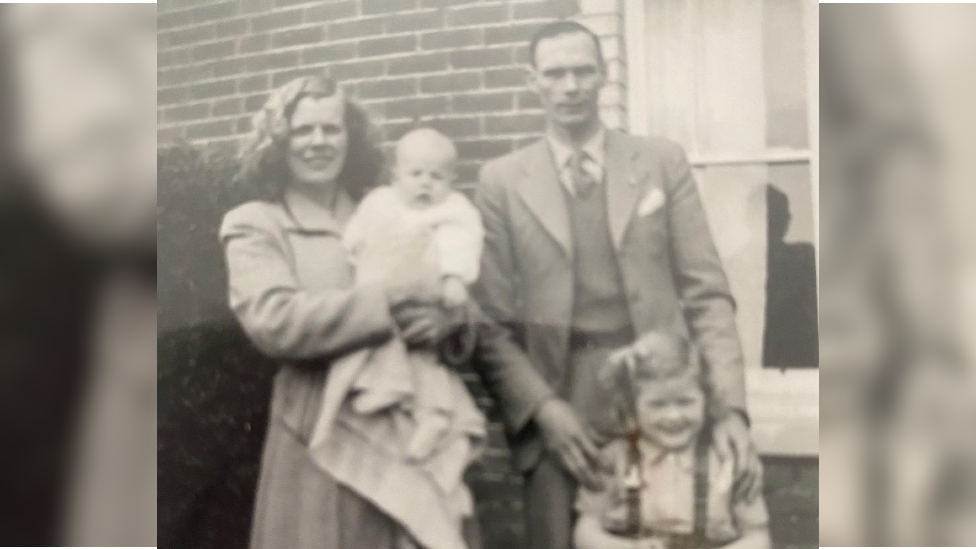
[425, 325]
[413, 287]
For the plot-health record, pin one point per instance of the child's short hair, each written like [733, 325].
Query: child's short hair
[666, 356]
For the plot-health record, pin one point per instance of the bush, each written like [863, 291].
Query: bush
[213, 386]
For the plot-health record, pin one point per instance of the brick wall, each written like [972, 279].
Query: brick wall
[456, 63]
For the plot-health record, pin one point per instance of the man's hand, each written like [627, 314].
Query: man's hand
[565, 437]
[732, 441]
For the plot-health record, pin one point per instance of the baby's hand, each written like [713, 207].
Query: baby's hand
[455, 292]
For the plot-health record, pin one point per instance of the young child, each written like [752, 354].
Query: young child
[664, 485]
[408, 405]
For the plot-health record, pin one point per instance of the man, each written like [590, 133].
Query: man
[593, 239]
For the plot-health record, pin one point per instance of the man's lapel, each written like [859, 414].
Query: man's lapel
[541, 191]
[623, 184]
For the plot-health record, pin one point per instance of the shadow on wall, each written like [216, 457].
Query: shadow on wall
[790, 337]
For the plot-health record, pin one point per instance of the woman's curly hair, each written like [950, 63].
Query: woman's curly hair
[264, 169]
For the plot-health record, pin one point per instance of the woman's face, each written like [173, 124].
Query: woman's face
[318, 140]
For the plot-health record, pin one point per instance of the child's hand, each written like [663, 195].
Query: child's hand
[455, 292]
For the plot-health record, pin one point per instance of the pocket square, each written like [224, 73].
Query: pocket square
[651, 203]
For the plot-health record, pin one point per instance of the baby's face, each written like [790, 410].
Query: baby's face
[423, 175]
[671, 412]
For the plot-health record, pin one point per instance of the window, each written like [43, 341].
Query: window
[735, 82]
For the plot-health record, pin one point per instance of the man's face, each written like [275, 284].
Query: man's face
[85, 81]
[568, 77]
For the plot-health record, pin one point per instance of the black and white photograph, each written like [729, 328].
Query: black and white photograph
[472, 274]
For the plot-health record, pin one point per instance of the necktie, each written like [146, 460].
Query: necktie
[583, 182]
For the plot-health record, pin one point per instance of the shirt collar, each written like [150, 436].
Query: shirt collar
[310, 216]
[656, 457]
[594, 148]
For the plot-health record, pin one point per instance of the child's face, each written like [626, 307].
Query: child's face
[423, 175]
[671, 412]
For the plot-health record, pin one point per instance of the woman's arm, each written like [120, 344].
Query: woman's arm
[282, 319]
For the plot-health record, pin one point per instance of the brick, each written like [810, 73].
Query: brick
[170, 96]
[174, 19]
[356, 28]
[481, 58]
[387, 45]
[415, 107]
[256, 83]
[331, 11]
[528, 100]
[483, 102]
[456, 128]
[182, 75]
[255, 43]
[214, 50]
[271, 61]
[477, 15]
[457, 38]
[206, 130]
[522, 54]
[169, 58]
[281, 78]
[468, 171]
[276, 20]
[483, 149]
[358, 69]
[243, 125]
[213, 89]
[182, 113]
[515, 123]
[452, 82]
[393, 131]
[374, 89]
[295, 37]
[234, 27]
[416, 21]
[427, 62]
[329, 52]
[229, 66]
[178, 4]
[549, 9]
[254, 102]
[228, 107]
[190, 35]
[372, 7]
[165, 136]
[444, 3]
[223, 10]
[511, 33]
[505, 78]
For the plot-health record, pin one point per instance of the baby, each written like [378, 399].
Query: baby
[405, 401]
[664, 485]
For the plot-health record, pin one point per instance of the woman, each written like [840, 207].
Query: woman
[291, 287]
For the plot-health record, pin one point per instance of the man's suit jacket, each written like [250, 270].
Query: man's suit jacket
[670, 269]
